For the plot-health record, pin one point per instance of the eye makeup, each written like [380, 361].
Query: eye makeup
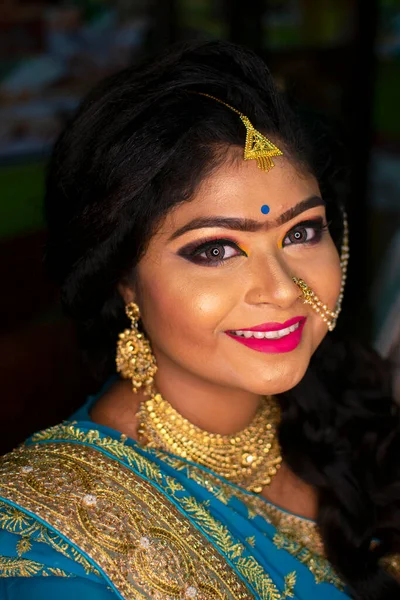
[211, 252]
[216, 251]
[301, 232]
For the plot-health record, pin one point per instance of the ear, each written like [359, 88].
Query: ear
[126, 292]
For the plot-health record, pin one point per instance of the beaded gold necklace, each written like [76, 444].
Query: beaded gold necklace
[249, 458]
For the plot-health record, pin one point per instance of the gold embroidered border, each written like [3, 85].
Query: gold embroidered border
[144, 466]
[22, 567]
[23, 546]
[137, 537]
[301, 530]
[298, 536]
[304, 530]
[302, 539]
[319, 567]
[16, 521]
[248, 566]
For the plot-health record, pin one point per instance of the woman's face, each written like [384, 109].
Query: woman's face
[218, 265]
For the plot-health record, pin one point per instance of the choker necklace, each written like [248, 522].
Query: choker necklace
[249, 458]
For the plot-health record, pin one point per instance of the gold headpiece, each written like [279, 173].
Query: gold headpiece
[257, 146]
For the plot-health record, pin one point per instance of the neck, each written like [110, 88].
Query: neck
[211, 407]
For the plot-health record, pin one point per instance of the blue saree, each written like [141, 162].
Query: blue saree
[89, 514]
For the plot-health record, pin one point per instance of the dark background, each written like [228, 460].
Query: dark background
[341, 57]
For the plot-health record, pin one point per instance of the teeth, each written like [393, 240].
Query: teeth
[259, 335]
[269, 335]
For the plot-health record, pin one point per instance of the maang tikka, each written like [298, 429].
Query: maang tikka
[257, 146]
[134, 359]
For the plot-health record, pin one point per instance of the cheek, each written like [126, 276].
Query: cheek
[183, 307]
[324, 274]
[326, 286]
[329, 281]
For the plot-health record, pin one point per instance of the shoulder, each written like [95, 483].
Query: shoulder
[40, 483]
[117, 508]
[48, 508]
[29, 548]
[35, 562]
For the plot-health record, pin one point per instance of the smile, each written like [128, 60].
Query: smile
[271, 337]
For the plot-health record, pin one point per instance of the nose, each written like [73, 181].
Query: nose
[270, 282]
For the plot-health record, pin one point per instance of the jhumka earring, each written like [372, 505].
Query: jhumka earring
[330, 317]
[134, 359]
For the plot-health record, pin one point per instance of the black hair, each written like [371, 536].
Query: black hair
[139, 145]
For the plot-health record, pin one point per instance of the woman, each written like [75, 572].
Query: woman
[241, 452]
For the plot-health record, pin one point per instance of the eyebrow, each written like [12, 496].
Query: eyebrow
[249, 225]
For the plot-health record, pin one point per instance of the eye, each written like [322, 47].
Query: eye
[218, 252]
[308, 232]
[211, 253]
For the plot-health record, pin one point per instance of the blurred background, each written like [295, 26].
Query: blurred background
[338, 57]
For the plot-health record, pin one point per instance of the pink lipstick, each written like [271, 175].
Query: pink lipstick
[271, 337]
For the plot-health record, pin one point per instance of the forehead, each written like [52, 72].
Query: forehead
[239, 189]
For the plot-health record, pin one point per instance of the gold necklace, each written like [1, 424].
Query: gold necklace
[249, 458]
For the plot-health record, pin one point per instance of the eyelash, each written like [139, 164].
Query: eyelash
[193, 252]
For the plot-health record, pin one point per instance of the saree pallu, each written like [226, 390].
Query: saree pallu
[87, 513]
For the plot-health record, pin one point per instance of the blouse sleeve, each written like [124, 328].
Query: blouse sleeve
[51, 588]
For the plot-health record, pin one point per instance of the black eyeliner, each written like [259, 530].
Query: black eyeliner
[200, 246]
[318, 224]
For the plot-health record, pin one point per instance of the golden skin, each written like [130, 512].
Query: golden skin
[212, 380]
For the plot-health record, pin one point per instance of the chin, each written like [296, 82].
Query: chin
[278, 382]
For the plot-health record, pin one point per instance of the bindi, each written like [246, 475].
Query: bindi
[265, 209]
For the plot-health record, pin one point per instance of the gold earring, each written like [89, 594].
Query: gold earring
[330, 317]
[135, 359]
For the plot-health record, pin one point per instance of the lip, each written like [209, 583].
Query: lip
[273, 346]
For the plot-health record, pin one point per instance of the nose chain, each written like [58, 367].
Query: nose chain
[309, 296]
